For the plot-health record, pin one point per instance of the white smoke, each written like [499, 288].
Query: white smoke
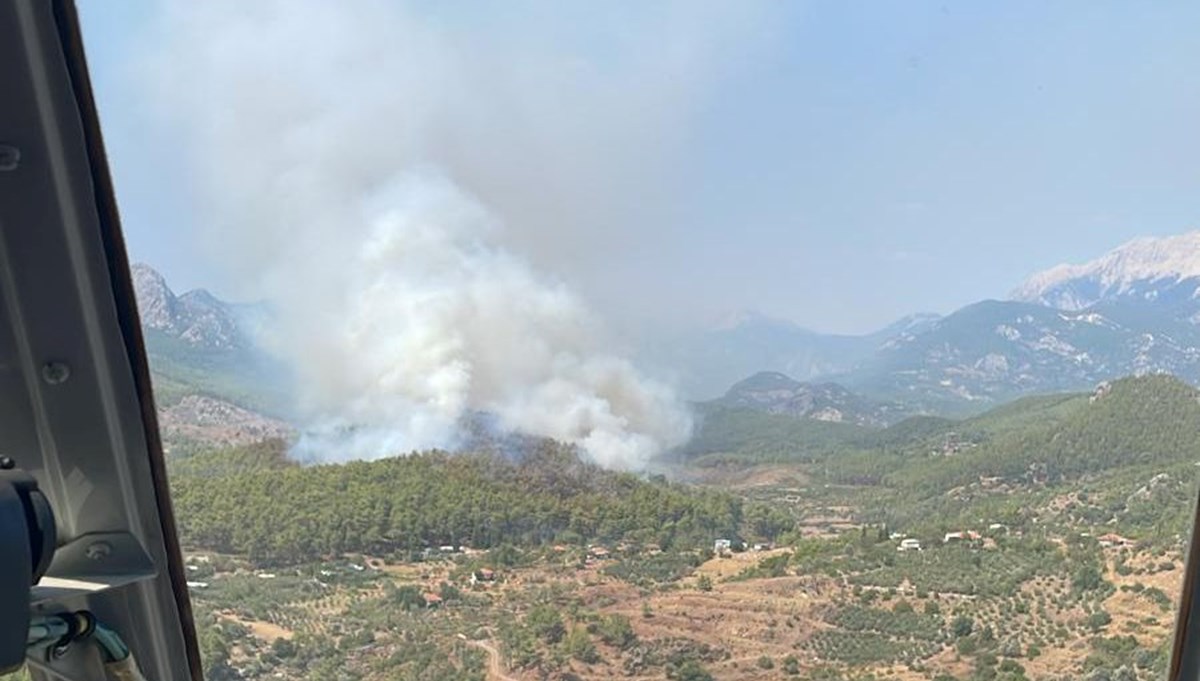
[330, 143]
[429, 319]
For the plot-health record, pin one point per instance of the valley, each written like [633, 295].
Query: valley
[1000, 493]
[1046, 543]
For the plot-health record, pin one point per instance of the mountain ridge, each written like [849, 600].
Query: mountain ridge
[773, 392]
[196, 317]
[1145, 268]
[200, 346]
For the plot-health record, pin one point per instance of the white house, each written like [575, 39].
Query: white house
[909, 545]
[721, 546]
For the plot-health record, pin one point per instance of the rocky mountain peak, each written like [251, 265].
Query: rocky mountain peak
[157, 304]
[197, 317]
[1147, 268]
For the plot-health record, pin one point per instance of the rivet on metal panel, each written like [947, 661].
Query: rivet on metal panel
[55, 373]
[10, 157]
[98, 550]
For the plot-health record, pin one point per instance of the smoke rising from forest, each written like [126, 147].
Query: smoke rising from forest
[345, 155]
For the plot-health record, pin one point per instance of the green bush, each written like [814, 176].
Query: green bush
[1011, 666]
[579, 646]
[1098, 620]
[791, 665]
[615, 630]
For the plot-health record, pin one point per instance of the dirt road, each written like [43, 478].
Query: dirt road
[495, 666]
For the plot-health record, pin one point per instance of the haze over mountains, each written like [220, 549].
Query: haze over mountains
[1134, 310]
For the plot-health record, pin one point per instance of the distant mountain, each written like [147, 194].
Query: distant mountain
[1134, 311]
[199, 345]
[775, 393]
[1164, 270]
[994, 351]
[197, 317]
[710, 361]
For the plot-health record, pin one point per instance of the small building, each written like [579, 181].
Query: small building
[447, 548]
[762, 546]
[721, 546]
[197, 585]
[598, 552]
[909, 545]
[432, 600]
[965, 535]
[266, 575]
[483, 575]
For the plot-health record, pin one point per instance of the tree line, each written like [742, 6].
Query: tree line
[252, 501]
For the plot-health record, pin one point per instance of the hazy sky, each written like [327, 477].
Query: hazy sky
[838, 164]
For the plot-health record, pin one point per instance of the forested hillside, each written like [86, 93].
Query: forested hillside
[253, 502]
[1129, 449]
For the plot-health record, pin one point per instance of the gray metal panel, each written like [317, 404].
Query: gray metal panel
[73, 385]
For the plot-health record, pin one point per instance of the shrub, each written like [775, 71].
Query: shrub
[791, 665]
[1098, 620]
[615, 630]
[689, 670]
[1086, 578]
[579, 646]
[1011, 666]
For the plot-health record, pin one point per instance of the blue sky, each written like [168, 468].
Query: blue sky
[838, 164]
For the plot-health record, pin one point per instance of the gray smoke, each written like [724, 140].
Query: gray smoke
[343, 153]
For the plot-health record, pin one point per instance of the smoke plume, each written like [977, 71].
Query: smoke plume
[343, 154]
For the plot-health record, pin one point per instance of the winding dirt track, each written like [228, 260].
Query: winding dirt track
[495, 666]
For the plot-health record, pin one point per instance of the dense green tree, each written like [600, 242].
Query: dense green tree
[253, 502]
